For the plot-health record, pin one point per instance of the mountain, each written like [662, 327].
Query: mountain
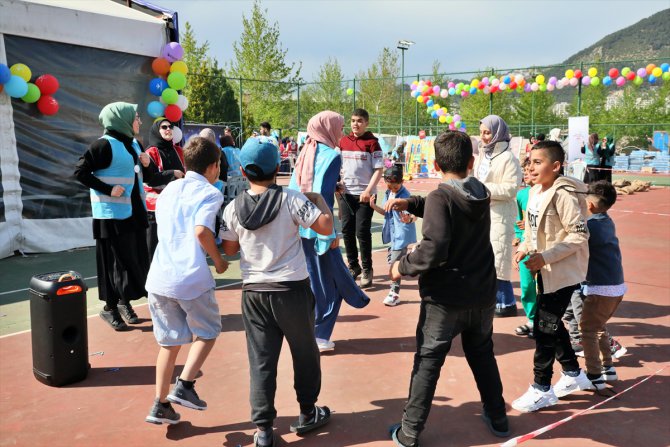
[648, 38]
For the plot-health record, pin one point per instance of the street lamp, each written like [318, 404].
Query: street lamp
[402, 46]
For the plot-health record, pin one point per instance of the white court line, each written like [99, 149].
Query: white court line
[639, 212]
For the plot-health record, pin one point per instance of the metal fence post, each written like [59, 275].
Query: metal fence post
[297, 125]
[241, 116]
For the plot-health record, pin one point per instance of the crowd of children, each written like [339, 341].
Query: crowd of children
[566, 250]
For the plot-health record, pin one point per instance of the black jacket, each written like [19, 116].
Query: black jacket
[454, 260]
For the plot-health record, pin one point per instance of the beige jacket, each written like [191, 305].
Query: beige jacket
[502, 180]
[562, 234]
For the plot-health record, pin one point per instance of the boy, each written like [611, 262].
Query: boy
[362, 164]
[604, 287]
[398, 229]
[527, 279]
[180, 284]
[556, 238]
[457, 284]
[277, 301]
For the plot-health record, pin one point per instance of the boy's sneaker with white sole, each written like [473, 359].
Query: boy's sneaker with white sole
[186, 397]
[568, 385]
[161, 414]
[609, 374]
[392, 299]
[534, 399]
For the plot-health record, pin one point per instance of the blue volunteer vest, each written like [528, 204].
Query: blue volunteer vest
[121, 171]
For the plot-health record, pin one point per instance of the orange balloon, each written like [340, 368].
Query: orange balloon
[650, 68]
[160, 66]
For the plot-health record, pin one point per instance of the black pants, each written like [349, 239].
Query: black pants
[152, 234]
[123, 264]
[356, 223]
[552, 340]
[437, 328]
[269, 317]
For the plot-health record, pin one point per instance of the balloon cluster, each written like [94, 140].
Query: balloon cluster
[426, 93]
[15, 82]
[651, 72]
[170, 73]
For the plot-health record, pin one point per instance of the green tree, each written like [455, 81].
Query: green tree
[327, 92]
[379, 92]
[211, 99]
[268, 81]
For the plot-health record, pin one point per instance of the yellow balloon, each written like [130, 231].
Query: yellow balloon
[657, 71]
[474, 83]
[436, 107]
[444, 109]
[22, 71]
[539, 79]
[160, 118]
[569, 74]
[593, 71]
[442, 119]
[419, 99]
[179, 66]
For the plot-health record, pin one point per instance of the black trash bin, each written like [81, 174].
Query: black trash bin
[59, 328]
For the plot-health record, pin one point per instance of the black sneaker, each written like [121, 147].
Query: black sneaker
[188, 398]
[499, 426]
[366, 279]
[160, 414]
[113, 318]
[355, 271]
[503, 312]
[128, 313]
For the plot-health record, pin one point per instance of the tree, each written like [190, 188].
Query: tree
[379, 92]
[268, 81]
[211, 99]
[328, 92]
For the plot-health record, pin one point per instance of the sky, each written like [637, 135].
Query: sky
[462, 35]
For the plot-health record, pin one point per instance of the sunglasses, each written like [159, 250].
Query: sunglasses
[166, 126]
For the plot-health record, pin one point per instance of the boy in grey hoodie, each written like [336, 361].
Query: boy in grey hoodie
[277, 301]
[457, 284]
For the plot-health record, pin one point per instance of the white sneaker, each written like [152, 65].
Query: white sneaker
[325, 345]
[609, 374]
[534, 399]
[568, 385]
[391, 299]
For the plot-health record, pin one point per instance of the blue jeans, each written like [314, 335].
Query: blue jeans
[505, 294]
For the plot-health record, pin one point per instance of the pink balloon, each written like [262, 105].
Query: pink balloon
[574, 82]
[586, 80]
[620, 81]
[436, 89]
[444, 93]
[451, 85]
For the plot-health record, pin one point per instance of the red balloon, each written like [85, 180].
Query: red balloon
[47, 84]
[513, 85]
[47, 105]
[481, 85]
[578, 74]
[173, 113]
[494, 88]
[631, 75]
[428, 83]
[614, 73]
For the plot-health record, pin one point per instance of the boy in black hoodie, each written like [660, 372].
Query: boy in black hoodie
[457, 284]
[277, 301]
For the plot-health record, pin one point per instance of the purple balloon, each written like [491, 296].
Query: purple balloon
[642, 72]
[553, 80]
[526, 88]
[173, 52]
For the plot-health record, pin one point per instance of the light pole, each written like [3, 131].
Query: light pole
[402, 46]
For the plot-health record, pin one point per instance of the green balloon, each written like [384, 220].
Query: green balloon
[543, 87]
[33, 94]
[170, 96]
[176, 80]
[637, 80]
[595, 80]
[350, 91]
[666, 76]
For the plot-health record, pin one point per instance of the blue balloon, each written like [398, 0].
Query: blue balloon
[473, 90]
[157, 85]
[507, 79]
[155, 109]
[5, 74]
[651, 79]
[415, 93]
[434, 114]
[607, 80]
[430, 103]
[452, 91]
[16, 87]
[665, 67]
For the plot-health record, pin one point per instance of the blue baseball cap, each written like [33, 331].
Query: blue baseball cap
[259, 156]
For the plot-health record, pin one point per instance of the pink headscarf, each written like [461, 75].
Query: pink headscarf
[326, 128]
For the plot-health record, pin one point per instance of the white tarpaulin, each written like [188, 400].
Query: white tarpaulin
[578, 134]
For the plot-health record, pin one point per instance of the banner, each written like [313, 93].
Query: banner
[578, 135]
[420, 157]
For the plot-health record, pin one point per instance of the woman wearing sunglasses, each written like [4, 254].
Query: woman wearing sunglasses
[169, 159]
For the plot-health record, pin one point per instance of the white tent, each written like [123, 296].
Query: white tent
[76, 40]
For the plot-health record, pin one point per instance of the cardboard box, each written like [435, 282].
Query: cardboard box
[647, 169]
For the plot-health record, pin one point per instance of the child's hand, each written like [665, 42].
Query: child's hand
[521, 224]
[407, 218]
[518, 257]
[396, 205]
[335, 243]
[535, 262]
[394, 271]
[220, 264]
[373, 200]
[516, 241]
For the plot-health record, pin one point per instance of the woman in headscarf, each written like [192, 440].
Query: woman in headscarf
[169, 159]
[592, 159]
[113, 168]
[606, 153]
[317, 170]
[499, 170]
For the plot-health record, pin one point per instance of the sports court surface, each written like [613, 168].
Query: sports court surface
[365, 380]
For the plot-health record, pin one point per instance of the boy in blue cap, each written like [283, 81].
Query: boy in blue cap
[277, 301]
